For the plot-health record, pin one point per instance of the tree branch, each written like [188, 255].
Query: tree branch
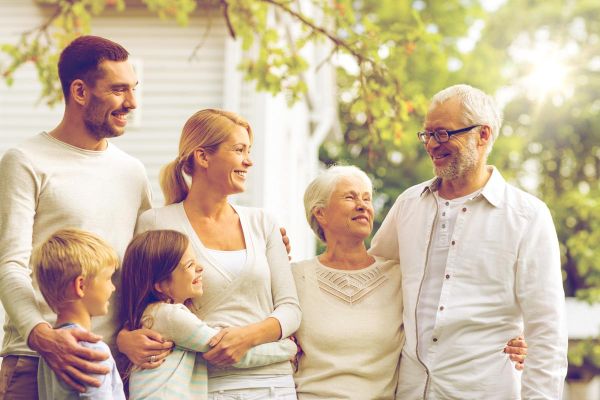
[230, 28]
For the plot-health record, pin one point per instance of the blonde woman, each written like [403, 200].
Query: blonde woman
[248, 285]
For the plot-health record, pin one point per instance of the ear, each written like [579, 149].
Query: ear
[319, 214]
[159, 287]
[201, 157]
[485, 135]
[79, 286]
[79, 92]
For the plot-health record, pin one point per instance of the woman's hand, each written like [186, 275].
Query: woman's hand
[517, 351]
[230, 345]
[145, 348]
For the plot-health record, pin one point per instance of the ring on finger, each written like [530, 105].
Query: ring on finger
[152, 358]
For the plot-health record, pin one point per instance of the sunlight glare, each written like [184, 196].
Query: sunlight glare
[547, 69]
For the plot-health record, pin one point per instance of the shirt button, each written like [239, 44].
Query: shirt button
[443, 214]
[453, 243]
[447, 276]
[447, 203]
[435, 339]
[441, 308]
[443, 225]
[464, 209]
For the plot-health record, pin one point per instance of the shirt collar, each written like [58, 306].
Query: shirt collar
[492, 191]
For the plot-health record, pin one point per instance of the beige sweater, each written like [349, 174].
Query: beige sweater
[47, 185]
[264, 288]
[351, 331]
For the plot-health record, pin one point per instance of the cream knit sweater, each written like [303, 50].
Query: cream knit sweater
[351, 331]
[47, 185]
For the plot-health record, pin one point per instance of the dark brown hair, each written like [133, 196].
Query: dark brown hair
[82, 57]
[150, 258]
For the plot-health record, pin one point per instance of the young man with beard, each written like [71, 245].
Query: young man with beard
[71, 176]
[480, 262]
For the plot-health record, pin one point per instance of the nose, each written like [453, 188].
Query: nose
[360, 205]
[432, 143]
[199, 268]
[248, 161]
[130, 100]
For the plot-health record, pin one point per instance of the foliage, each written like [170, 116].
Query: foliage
[396, 160]
[384, 95]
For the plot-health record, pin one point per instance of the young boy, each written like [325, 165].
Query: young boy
[73, 270]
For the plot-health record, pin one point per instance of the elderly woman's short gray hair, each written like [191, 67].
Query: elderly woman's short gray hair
[318, 192]
[479, 108]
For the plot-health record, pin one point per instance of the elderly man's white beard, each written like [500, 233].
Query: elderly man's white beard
[461, 163]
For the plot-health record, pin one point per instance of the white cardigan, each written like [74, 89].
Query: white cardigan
[264, 288]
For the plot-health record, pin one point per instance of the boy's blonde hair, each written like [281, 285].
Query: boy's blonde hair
[65, 255]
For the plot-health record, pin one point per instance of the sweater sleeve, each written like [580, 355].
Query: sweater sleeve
[285, 299]
[268, 353]
[18, 199]
[146, 221]
[177, 323]
[191, 333]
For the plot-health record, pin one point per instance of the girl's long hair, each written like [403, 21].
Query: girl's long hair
[150, 258]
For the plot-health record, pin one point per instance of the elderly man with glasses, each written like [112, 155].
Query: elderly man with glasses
[480, 262]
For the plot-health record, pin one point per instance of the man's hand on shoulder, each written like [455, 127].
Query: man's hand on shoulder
[72, 362]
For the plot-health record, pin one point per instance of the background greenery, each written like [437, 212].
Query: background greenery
[541, 56]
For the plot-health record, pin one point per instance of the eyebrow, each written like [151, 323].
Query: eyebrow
[123, 85]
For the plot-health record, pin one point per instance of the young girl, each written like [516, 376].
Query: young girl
[160, 276]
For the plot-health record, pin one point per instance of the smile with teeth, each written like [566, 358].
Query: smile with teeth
[120, 115]
[241, 173]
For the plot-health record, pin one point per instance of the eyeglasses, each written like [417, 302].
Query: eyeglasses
[442, 135]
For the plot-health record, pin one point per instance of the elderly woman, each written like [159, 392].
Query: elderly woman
[351, 332]
[248, 284]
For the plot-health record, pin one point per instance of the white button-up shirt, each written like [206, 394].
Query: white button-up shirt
[502, 278]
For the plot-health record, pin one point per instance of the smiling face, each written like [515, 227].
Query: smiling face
[460, 155]
[227, 168]
[185, 281]
[110, 100]
[98, 291]
[349, 213]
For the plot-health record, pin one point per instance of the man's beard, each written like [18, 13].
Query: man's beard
[96, 123]
[460, 163]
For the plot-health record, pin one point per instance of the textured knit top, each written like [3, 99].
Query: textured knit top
[351, 333]
[47, 185]
[183, 375]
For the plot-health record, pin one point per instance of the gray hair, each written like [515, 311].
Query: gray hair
[318, 192]
[479, 108]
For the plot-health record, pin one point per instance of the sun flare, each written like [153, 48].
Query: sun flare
[546, 71]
